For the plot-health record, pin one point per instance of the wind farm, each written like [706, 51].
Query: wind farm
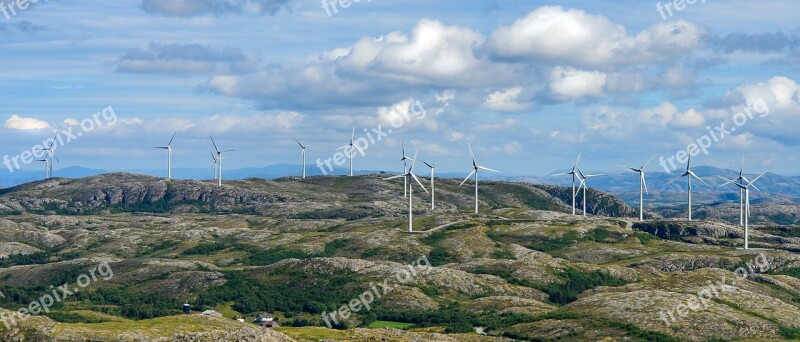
[607, 192]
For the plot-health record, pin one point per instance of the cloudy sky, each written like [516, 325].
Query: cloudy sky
[528, 83]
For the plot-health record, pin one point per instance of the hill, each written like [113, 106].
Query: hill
[523, 268]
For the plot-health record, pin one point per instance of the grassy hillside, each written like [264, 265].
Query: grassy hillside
[523, 268]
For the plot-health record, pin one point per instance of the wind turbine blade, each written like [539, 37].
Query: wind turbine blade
[395, 177]
[353, 136]
[488, 169]
[359, 149]
[644, 181]
[468, 177]
[55, 156]
[413, 161]
[579, 159]
[301, 145]
[403, 146]
[649, 161]
[597, 175]
[700, 179]
[428, 165]
[759, 176]
[418, 182]
[754, 187]
[173, 138]
[215, 144]
[470, 152]
[580, 173]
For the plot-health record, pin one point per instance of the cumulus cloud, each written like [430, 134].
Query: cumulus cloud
[193, 8]
[575, 84]
[228, 122]
[553, 34]
[21, 123]
[186, 59]
[506, 100]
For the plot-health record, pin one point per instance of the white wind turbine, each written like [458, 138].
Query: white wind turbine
[433, 186]
[574, 173]
[213, 165]
[169, 155]
[583, 179]
[410, 174]
[742, 180]
[303, 155]
[219, 161]
[475, 168]
[405, 159]
[46, 167]
[745, 186]
[51, 154]
[642, 186]
[689, 174]
[351, 149]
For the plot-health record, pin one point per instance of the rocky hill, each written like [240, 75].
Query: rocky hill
[524, 268]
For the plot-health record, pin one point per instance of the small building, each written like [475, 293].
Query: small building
[211, 313]
[268, 323]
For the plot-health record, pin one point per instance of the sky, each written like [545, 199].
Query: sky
[529, 84]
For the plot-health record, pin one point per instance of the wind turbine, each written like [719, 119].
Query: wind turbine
[46, 167]
[169, 155]
[475, 168]
[350, 150]
[405, 159]
[583, 179]
[642, 186]
[742, 180]
[689, 174]
[433, 185]
[51, 153]
[407, 175]
[574, 173]
[213, 165]
[303, 155]
[745, 186]
[219, 161]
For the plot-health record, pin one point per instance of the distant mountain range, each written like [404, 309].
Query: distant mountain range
[623, 184]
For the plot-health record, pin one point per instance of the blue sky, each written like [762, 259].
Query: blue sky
[528, 83]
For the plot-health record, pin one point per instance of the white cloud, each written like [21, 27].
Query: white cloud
[21, 123]
[554, 34]
[223, 123]
[575, 84]
[688, 119]
[506, 100]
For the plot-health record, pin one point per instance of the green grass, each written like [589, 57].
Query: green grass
[390, 325]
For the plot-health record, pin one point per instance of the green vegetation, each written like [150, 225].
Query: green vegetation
[575, 282]
[205, 249]
[20, 259]
[271, 256]
[283, 290]
[390, 325]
